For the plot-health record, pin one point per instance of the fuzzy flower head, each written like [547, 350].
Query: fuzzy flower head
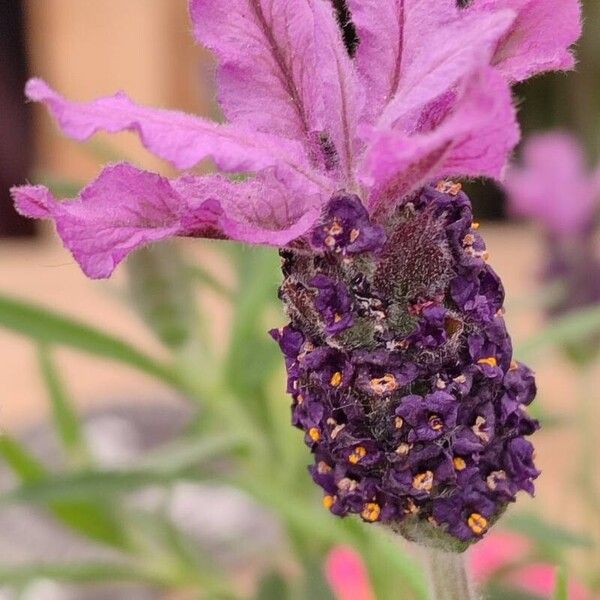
[398, 359]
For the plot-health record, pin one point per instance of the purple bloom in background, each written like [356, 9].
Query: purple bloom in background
[398, 359]
[554, 187]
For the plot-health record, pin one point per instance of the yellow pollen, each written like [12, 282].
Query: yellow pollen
[411, 508]
[314, 434]
[384, 385]
[398, 422]
[469, 239]
[490, 361]
[347, 485]
[337, 318]
[323, 468]
[359, 453]
[475, 225]
[486, 256]
[328, 501]
[513, 365]
[330, 241]
[300, 398]
[459, 463]
[354, 235]
[336, 228]
[423, 481]
[477, 524]
[403, 449]
[371, 512]
[336, 379]
[493, 478]
[436, 423]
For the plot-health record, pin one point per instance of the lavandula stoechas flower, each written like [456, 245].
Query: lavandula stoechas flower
[397, 354]
[554, 187]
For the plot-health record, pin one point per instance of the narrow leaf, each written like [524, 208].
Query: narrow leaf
[161, 292]
[45, 326]
[66, 421]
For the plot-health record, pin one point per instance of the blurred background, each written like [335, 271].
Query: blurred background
[75, 414]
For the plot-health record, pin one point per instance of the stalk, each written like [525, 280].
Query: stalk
[447, 575]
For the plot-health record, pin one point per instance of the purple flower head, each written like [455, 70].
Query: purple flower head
[398, 360]
[554, 185]
[425, 96]
[416, 409]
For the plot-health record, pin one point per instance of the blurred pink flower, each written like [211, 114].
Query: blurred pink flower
[504, 549]
[347, 575]
[554, 185]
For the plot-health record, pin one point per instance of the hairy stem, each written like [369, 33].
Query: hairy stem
[447, 575]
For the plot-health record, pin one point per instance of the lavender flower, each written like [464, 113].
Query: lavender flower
[398, 358]
[555, 188]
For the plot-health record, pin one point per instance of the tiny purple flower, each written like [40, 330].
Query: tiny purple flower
[398, 360]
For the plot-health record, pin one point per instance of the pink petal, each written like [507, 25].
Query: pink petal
[125, 208]
[472, 136]
[554, 185]
[437, 53]
[540, 580]
[284, 69]
[540, 38]
[496, 551]
[347, 575]
[175, 136]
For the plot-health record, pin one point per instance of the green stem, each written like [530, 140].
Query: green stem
[447, 575]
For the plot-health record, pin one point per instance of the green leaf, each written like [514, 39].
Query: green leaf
[561, 592]
[570, 329]
[92, 572]
[45, 326]
[66, 421]
[274, 587]
[161, 292]
[549, 534]
[88, 516]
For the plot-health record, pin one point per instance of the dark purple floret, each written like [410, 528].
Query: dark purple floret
[345, 227]
[401, 369]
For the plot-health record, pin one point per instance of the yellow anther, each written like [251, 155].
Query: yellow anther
[328, 501]
[300, 399]
[403, 449]
[357, 455]
[330, 241]
[323, 468]
[477, 523]
[314, 434]
[336, 379]
[475, 225]
[354, 235]
[436, 423]
[336, 228]
[337, 318]
[493, 478]
[398, 422]
[347, 485]
[384, 385]
[513, 365]
[469, 239]
[423, 481]
[411, 508]
[486, 256]
[371, 512]
[490, 361]
[459, 463]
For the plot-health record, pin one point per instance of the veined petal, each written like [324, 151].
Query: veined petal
[283, 69]
[540, 38]
[125, 208]
[442, 59]
[473, 137]
[388, 31]
[180, 138]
